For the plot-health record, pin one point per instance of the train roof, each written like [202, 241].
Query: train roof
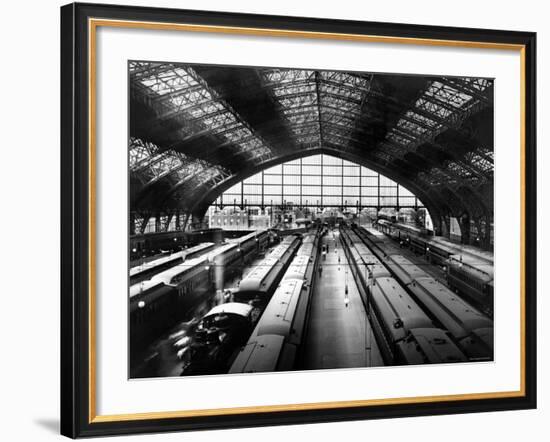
[378, 270]
[352, 236]
[369, 258]
[234, 308]
[278, 315]
[473, 265]
[486, 335]
[463, 249]
[222, 249]
[309, 237]
[450, 309]
[246, 237]
[168, 275]
[289, 239]
[198, 248]
[306, 249]
[298, 267]
[134, 271]
[405, 269]
[372, 231]
[435, 344]
[280, 250]
[146, 266]
[258, 355]
[143, 287]
[374, 235]
[257, 275]
[363, 255]
[408, 227]
[361, 248]
[395, 303]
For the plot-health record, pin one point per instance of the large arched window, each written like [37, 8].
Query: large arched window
[317, 183]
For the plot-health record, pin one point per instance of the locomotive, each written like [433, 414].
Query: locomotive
[213, 347]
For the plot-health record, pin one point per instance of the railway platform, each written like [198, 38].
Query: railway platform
[339, 333]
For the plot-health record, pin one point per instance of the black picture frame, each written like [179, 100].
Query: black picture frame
[76, 403]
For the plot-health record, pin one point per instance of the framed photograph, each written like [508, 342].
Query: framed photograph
[274, 220]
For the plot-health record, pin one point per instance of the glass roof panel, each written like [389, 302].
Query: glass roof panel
[149, 164]
[433, 111]
[317, 97]
[184, 91]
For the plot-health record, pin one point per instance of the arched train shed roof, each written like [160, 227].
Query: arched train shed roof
[195, 130]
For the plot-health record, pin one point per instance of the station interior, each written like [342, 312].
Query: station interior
[290, 219]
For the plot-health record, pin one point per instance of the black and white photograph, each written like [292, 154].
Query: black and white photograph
[275, 221]
[288, 219]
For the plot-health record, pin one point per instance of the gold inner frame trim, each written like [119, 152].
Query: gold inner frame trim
[93, 24]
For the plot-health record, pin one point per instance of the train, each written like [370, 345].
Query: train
[147, 270]
[469, 275]
[276, 340]
[212, 347]
[158, 303]
[405, 334]
[387, 214]
[470, 328]
[149, 244]
[214, 339]
[469, 270]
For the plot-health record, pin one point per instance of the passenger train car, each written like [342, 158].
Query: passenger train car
[276, 341]
[429, 344]
[150, 306]
[464, 322]
[153, 243]
[404, 332]
[157, 304]
[147, 270]
[254, 292]
[469, 269]
[250, 244]
[260, 283]
[229, 260]
[467, 274]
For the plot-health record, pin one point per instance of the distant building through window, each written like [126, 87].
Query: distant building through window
[310, 186]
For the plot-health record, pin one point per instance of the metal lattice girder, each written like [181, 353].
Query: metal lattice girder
[317, 96]
[141, 153]
[295, 93]
[464, 193]
[481, 159]
[194, 181]
[428, 118]
[183, 93]
[474, 87]
[140, 222]
[149, 164]
[198, 118]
